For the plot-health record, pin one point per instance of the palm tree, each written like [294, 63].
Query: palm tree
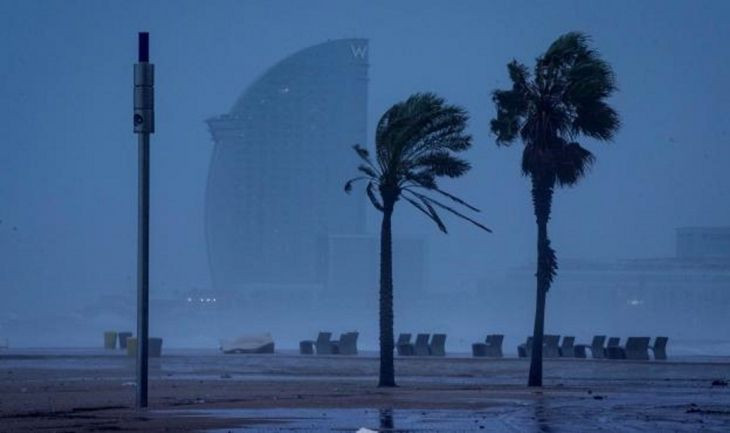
[563, 99]
[416, 141]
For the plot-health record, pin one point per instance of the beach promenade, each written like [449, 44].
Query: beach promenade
[85, 390]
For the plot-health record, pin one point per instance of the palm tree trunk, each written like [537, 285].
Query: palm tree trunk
[387, 368]
[542, 195]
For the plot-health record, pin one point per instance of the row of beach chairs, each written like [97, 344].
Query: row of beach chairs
[636, 348]
[425, 345]
[129, 343]
[324, 345]
[111, 338]
[491, 347]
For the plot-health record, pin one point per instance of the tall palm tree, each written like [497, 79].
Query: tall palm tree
[416, 141]
[564, 99]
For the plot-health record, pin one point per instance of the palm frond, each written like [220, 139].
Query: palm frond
[532, 159]
[519, 74]
[368, 171]
[423, 179]
[511, 109]
[548, 266]
[590, 79]
[446, 194]
[456, 199]
[364, 154]
[435, 215]
[596, 119]
[512, 105]
[442, 127]
[428, 199]
[572, 163]
[421, 124]
[348, 184]
[565, 49]
[442, 163]
[373, 199]
[431, 213]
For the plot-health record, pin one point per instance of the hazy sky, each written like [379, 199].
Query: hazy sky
[68, 156]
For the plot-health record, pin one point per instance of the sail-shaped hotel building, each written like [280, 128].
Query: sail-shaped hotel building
[281, 157]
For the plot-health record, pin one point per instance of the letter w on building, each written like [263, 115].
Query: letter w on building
[359, 51]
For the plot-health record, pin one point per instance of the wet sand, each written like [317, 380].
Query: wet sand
[93, 391]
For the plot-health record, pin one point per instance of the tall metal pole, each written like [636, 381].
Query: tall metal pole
[144, 125]
[143, 270]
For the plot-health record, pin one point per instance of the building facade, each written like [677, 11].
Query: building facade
[685, 297]
[703, 242]
[281, 157]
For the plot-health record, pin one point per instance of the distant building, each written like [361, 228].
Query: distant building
[703, 242]
[281, 158]
[684, 297]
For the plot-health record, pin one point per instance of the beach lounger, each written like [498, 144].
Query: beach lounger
[614, 349]
[154, 347]
[306, 347]
[637, 348]
[524, 350]
[492, 346]
[335, 345]
[567, 347]
[348, 343]
[258, 343]
[478, 350]
[110, 340]
[660, 347]
[597, 349]
[404, 345]
[122, 336]
[323, 344]
[421, 347]
[437, 347]
[550, 347]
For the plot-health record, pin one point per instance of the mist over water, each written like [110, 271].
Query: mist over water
[68, 172]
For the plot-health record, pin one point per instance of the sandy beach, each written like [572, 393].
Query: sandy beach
[69, 390]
